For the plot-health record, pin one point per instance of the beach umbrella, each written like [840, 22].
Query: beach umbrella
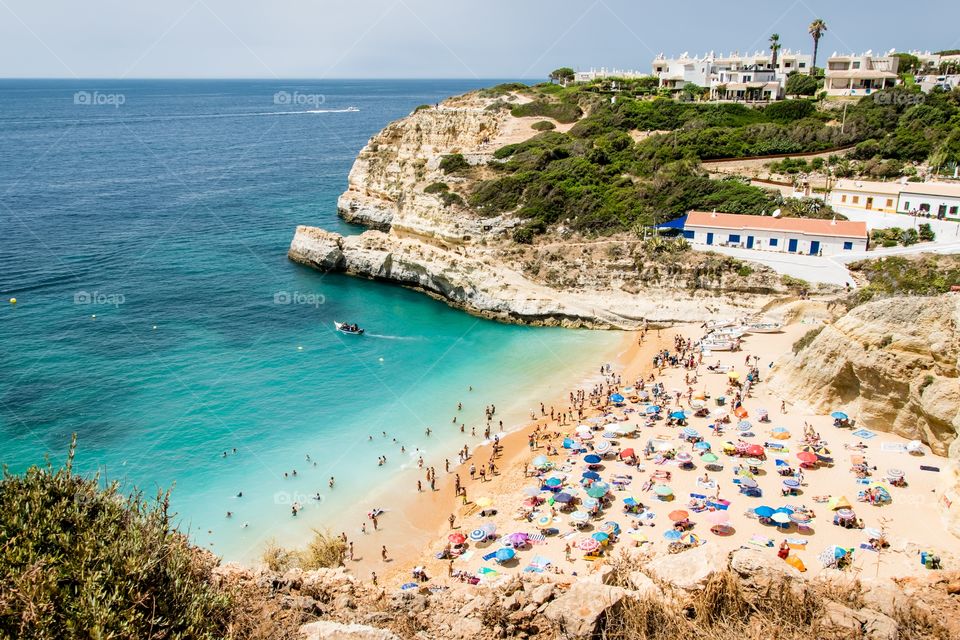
[665, 446]
[718, 413]
[764, 511]
[587, 427]
[490, 528]
[663, 490]
[780, 517]
[600, 536]
[602, 447]
[553, 482]
[672, 535]
[579, 516]
[588, 544]
[690, 432]
[894, 474]
[616, 397]
[846, 513]
[690, 538]
[740, 412]
[478, 534]
[541, 462]
[744, 425]
[653, 408]
[457, 538]
[684, 457]
[598, 490]
[839, 415]
[406, 586]
[592, 459]
[678, 515]
[627, 453]
[531, 491]
[590, 503]
[504, 554]
[610, 527]
[621, 427]
[780, 435]
[630, 501]
[831, 554]
[568, 443]
[563, 498]
[780, 430]
[679, 415]
[532, 501]
[709, 457]
[703, 445]
[516, 539]
[483, 502]
[800, 518]
[762, 412]
[639, 538]
[544, 521]
[733, 375]
[754, 462]
[755, 450]
[718, 517]
[807, 457]
[591, 475]
[585, 436]
[791, 483]
[749, 483]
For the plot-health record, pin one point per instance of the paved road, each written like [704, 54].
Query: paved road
[810, 268]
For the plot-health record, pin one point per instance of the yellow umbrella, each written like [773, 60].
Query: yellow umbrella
[639, 538]
[733, 375]
[483, 502]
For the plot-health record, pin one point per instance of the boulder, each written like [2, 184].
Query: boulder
[644, 585]
[758, 569]
[689, 570]
[329, 630]
[581, 608]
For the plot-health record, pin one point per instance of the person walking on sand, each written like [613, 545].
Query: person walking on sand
[566, 552]
[451, 520]
[373, 577]
[383, 552]
[473, 471]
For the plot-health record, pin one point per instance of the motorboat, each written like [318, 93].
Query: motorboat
[764, 327]
[719, 324]
[352, 109]
[352, 329]
[728, 332]
[718, 345]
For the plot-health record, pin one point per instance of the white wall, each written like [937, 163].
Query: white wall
[879, 200]
[912, 201]
[829, 245]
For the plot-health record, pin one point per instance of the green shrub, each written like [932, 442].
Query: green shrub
[77, 560]
[454, 163]
[789, 110]
[437, 187]
[805, 340]
[926, 234]
[564, 112]
[523, 235]
[543, 125]
[423, 107]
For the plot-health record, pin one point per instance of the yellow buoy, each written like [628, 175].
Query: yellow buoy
[13, 301]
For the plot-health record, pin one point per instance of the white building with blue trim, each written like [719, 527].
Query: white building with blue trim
[784, 235]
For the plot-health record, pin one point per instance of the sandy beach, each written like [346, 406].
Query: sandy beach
[417, 526]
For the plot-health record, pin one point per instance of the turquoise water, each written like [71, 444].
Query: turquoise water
[145, 240]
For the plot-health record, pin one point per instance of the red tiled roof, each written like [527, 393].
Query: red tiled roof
[840, 228]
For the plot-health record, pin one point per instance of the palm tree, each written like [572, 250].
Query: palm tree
[775, 48]
[816, 30]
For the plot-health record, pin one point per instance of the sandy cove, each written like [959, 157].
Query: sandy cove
[910, 523]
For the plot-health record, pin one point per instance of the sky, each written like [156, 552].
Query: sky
[522, 39]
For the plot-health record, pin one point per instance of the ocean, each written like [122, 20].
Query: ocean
[143, 231]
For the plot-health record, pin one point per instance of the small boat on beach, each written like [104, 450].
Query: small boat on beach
[719, 324]
[344, 327]
[728, 332]
[764, 327]
[718, 345]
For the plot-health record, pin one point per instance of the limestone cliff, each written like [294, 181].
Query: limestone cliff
[423, 235]
[891, 364]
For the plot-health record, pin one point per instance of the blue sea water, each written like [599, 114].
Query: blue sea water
[143, 230]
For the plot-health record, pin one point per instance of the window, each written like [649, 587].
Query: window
[688, 234]
[803, 65]
[906, 206]
[856, 65]
[889, 202]
[788, 65]
[953, 211]
[773, 242]
[843, 198]
[856, 199]
[733, 237]
[847, 246]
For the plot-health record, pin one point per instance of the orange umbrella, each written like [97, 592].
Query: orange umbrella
[457, 538]
[807, 456]
[678, 515]
[627, 453]
[741, 412]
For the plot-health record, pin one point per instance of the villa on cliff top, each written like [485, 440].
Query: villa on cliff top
[937, 199]
[783, 235]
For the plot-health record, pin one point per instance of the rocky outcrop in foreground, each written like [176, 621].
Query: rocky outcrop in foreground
[696, 594]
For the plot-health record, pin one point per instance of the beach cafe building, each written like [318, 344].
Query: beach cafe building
[783, 235]
[936, 199]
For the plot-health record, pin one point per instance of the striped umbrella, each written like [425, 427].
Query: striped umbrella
[683, 456]
[579, 516]
[602, 447]
[800, 517]
[477, 535]
[690, 538]
[544, 522]
[588, 544]
[610, 527]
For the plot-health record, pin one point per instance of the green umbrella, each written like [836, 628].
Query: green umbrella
[709, 457]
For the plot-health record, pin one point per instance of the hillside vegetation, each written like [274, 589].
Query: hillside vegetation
[597, 178]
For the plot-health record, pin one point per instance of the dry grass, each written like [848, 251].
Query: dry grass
[324, 551]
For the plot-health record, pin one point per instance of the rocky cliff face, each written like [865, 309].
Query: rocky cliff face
[890, 364]
[427, 238]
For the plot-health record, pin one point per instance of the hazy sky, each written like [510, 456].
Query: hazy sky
[431, 38]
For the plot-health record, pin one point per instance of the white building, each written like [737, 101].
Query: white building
[749, 84]
[603, 73]
[783, 235]
[939, 199]
[711, 70]
[860, 75]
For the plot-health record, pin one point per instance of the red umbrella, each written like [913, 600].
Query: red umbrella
[755, 450]
[627, 453]
[678, 515]
[457, 538]
[807, 456]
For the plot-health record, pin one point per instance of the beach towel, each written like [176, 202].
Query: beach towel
[924, 467]
[761, 541]
[490, 556]
[537, 538]
[868, 547]
[895, 447]
[796, 563]
[866, 434]
[698, 496]
[466, 555]
[722, 505]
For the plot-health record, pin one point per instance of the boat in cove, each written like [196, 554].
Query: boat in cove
[345, 327]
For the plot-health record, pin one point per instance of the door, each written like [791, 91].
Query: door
[869, 203]
[749, 242]
[814, 247]
[792, 245]
[709, 238]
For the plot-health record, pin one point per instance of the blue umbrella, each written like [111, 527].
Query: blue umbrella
[690, 432]
[616, 398]
[553, 482]
[600, 536]
[592, 459]
[672, 534]
[749, 483]
[764, 511]
[653, 409]
[744, 425]
[703, 444]
[568, 443]
[563, 498]
[598, 490]
[679, 415]
[786, 510]
[505, 553]
[591, 475]
[779, 430]
[541, 461]
[839, 415]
